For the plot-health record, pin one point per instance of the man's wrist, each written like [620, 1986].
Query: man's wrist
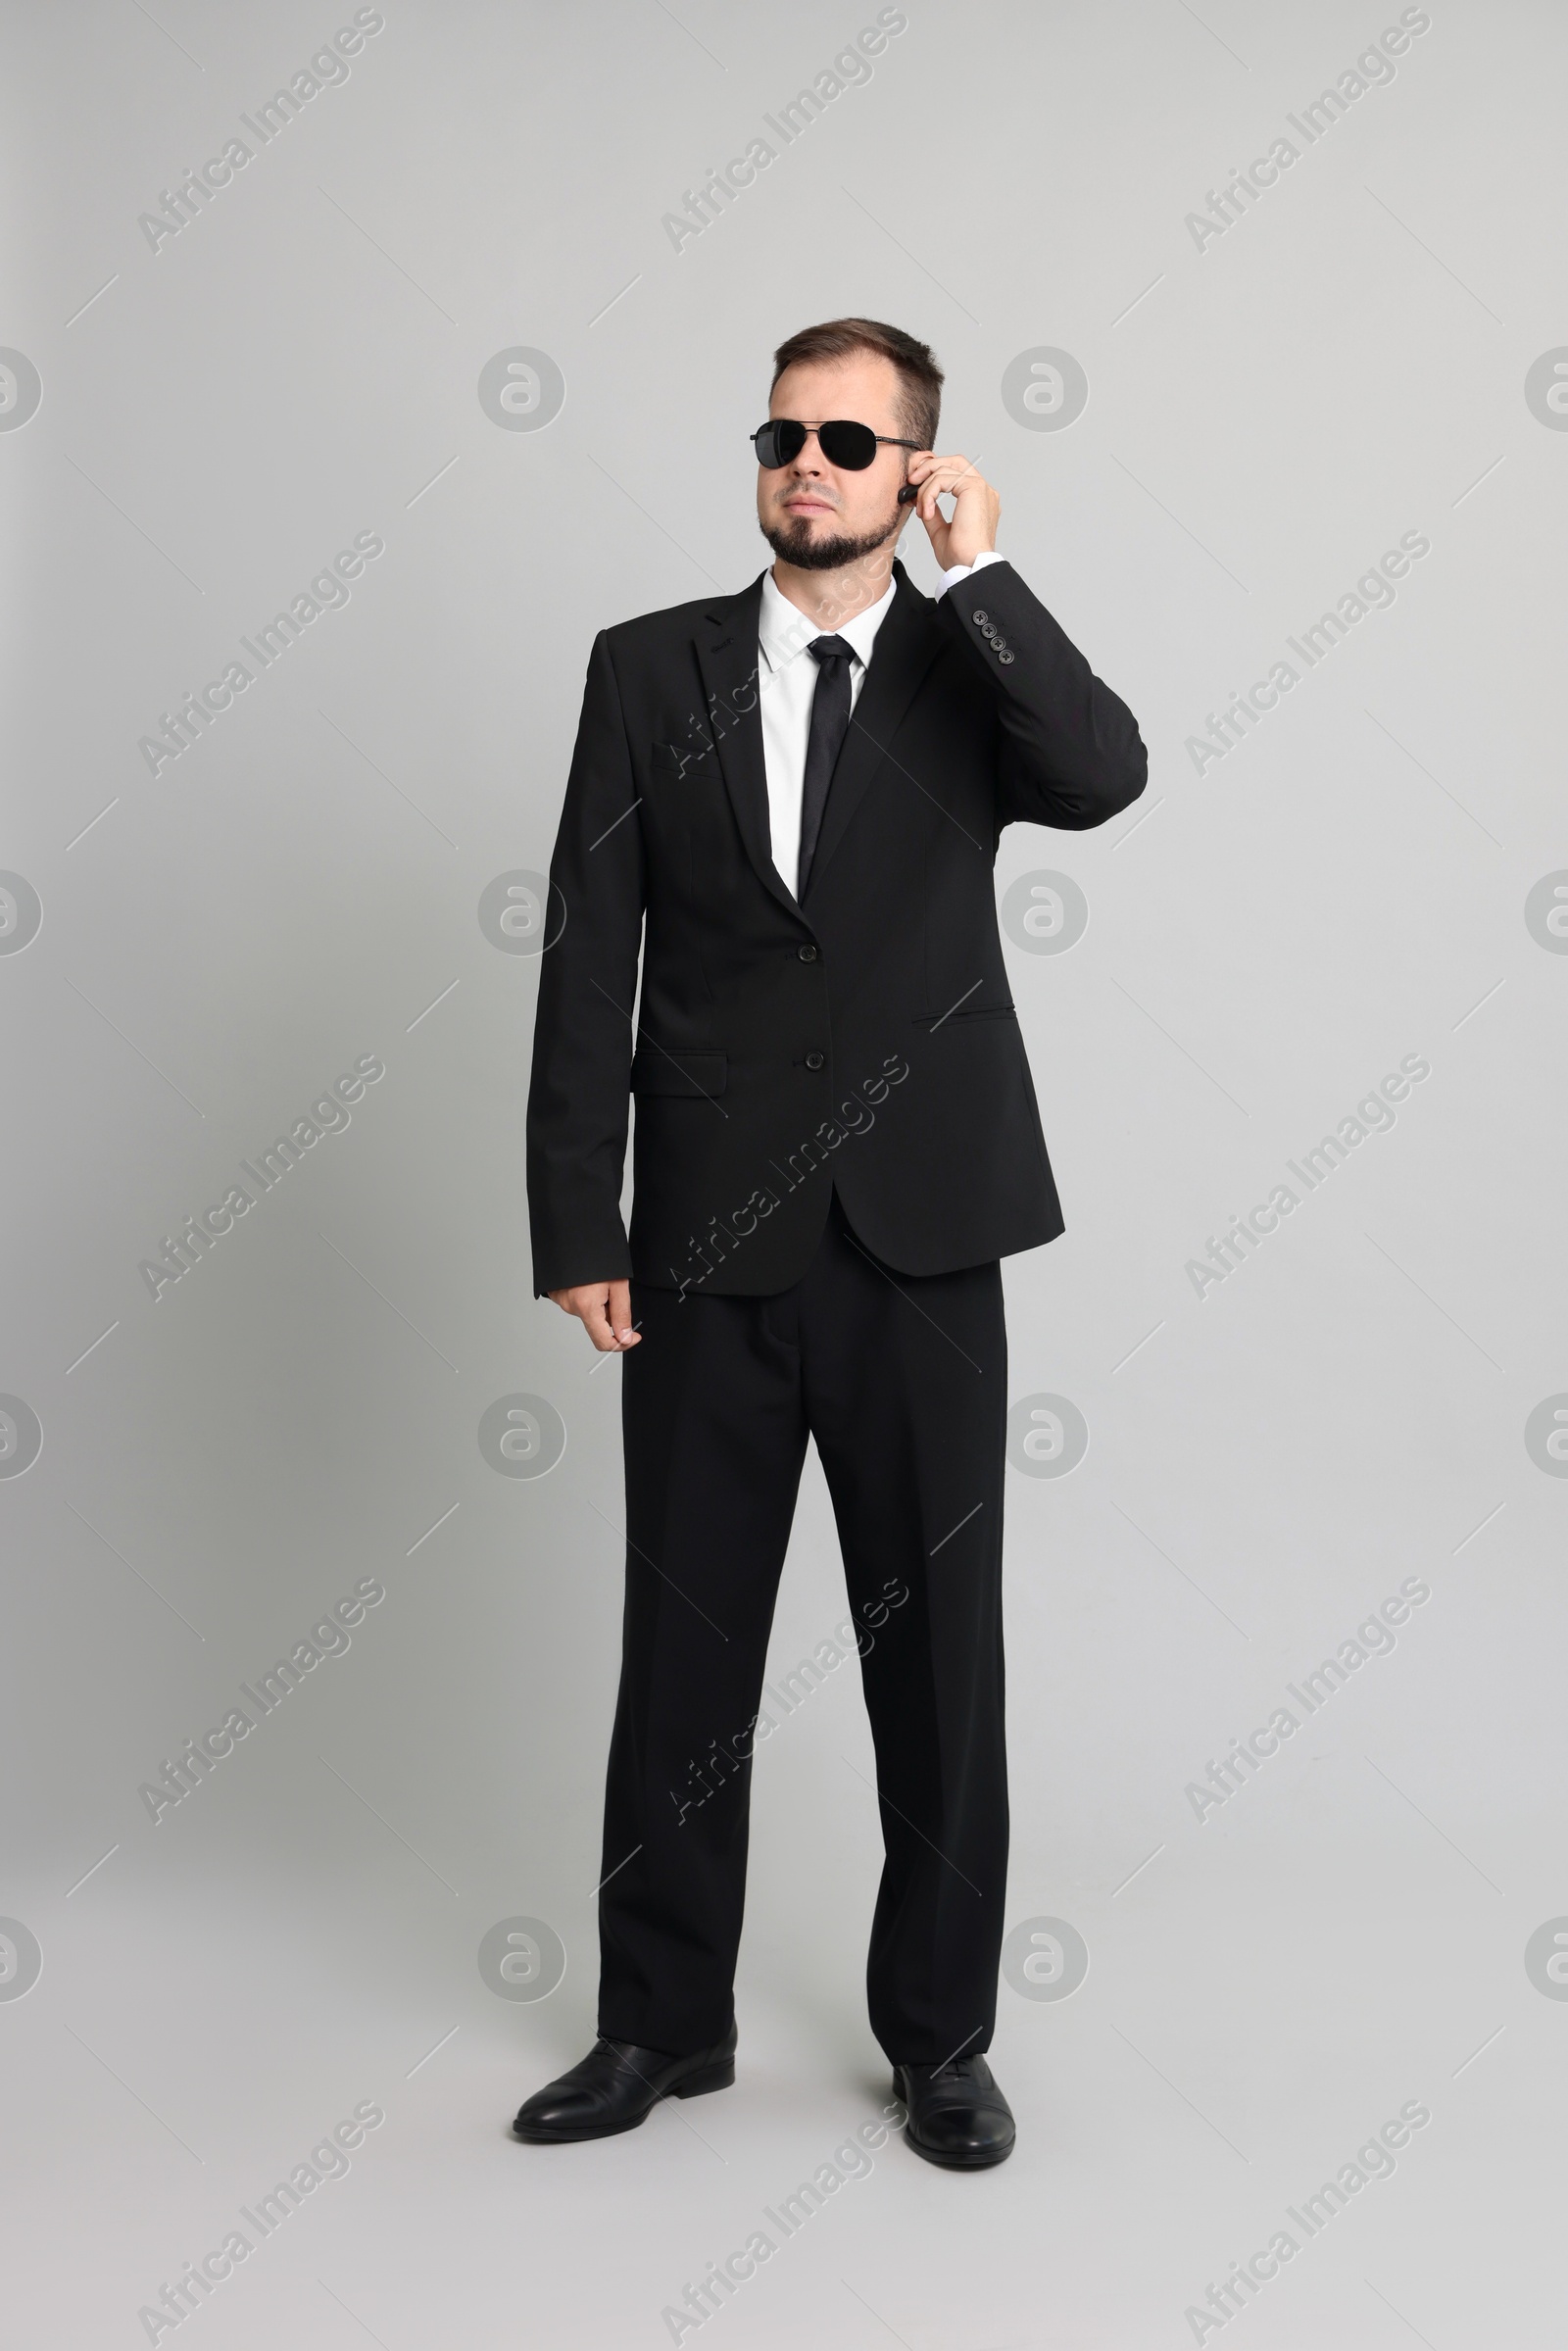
[958, 571]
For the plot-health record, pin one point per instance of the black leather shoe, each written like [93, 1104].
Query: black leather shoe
[957, 2116]
[617, 2086]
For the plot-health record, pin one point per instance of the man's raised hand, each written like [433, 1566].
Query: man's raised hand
[972, 531]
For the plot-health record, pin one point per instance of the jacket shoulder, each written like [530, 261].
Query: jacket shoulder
[676, 623]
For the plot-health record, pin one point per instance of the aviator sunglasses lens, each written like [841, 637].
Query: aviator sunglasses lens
[843, 443]
[851, 446]
[778, 441]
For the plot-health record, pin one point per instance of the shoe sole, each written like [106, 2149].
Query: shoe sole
[693, 2086]
[961, 2163]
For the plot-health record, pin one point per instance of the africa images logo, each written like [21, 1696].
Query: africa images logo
[1373, 70]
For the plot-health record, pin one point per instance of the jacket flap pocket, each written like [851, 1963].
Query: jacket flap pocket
[669, 759]
[943, 1020]
[656, 1070]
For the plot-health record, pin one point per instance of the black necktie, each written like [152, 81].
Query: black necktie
[830, 723]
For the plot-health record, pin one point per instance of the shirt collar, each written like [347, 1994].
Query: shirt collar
[784, 631]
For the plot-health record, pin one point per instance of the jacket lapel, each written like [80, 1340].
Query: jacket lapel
[727, 657]
[905, 646]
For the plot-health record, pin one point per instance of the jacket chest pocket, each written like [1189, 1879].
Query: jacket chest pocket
[672, 796]
[689, 762]
[687, 793]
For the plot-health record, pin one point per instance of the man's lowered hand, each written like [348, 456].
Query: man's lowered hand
[604, 1308]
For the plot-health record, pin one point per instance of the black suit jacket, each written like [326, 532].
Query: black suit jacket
[865, 1039]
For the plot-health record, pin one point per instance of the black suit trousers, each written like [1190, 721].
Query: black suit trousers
[902, 1381]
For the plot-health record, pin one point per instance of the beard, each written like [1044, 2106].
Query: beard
[793, 544]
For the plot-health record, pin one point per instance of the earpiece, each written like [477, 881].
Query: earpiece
[908, 494]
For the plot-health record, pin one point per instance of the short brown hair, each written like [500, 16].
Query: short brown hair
[919, 377]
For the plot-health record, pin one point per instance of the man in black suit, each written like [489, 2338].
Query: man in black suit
[790, 801]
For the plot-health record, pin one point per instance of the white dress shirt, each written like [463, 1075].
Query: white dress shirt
[787, 679]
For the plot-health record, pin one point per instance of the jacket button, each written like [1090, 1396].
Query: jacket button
[814, 1061]
[980, 619]
[807, 955]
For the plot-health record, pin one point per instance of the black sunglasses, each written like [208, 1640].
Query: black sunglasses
[843, 443]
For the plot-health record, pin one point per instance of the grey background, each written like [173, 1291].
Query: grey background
[1264, 1465]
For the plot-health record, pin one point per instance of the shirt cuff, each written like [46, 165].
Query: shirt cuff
[963, 570]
